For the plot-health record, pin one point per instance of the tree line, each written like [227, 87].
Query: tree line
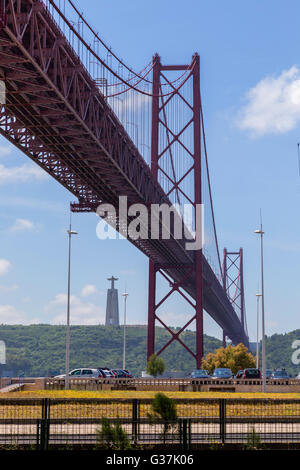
[39, 350]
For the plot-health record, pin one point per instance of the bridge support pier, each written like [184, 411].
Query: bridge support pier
[224, 339]
[159, 148]
[151, 309]
[153, 306]
[233, 283]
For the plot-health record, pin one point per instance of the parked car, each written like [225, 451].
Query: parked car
[222, 373]
[108, 373]
[128, 375]
[102, 373]
[239, 374]
[200, 374]
[268, 373]
[120, 373]
[279, 374]
[251, 374]
[84, 373]
[298, 376]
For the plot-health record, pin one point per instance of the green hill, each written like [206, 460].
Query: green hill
[39, 350]
[279, 351]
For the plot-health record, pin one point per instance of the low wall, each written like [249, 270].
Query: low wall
[34, 385]
[161, 384]
[184, 385]
[248, 386]
[4, 381]
[29, 383]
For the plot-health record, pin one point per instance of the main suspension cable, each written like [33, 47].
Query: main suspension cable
[116, 75]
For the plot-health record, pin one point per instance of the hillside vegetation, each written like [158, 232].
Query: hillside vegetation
[39, 350]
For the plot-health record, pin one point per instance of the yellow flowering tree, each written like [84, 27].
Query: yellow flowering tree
[232, 357]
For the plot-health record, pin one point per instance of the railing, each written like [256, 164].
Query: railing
[40, 423]
[55, 383]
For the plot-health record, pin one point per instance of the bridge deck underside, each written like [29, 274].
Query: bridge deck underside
[57, 116]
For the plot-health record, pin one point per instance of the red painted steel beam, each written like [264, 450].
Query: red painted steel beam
[197, 266]
[51, 96]
[198, 201]
[233, 283]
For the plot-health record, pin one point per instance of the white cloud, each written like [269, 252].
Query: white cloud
[23, 225]
[81, 313]
[131, 102]
[11, 316]
[5, 266]
[5, 150]
[21, 174]
[8, 288]
[89, 289]
[273, 105]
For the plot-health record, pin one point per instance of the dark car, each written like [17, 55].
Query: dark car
[120, 374]
[251, 374]
[200, 374]
[239, 374]
[279, 374]
[128, 374]
[222, 373]
[102, 373]
[268, 373]
[106, 373]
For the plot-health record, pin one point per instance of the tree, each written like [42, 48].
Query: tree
[233, 357]
[164, 408]
[113, 436]
[155, 365]
[253, 440]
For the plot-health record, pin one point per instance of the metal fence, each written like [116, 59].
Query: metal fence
[40, 423]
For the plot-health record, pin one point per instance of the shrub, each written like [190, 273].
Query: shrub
[155, 365]
[164, 408]
[113, 436]
[253, 440]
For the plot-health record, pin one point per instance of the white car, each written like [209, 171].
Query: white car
[84, 373]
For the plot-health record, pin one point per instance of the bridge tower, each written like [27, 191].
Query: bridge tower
[192, 155]
[233, 283]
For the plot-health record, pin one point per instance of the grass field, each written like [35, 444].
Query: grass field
[117, 403]
[122, 394]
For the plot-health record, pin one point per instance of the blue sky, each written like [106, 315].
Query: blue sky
[250, 84]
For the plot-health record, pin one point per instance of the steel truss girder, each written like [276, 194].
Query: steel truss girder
[102, 162]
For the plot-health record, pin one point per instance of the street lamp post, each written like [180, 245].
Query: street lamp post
[125, 295]
[263, 345]
[257, 332]
[67, 382]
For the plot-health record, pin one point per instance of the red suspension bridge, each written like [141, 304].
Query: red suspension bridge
[103, 131]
